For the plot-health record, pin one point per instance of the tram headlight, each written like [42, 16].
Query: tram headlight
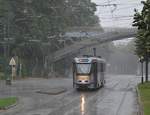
[83, 77]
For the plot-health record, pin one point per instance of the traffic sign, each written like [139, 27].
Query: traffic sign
[12, 62]
[13, 69]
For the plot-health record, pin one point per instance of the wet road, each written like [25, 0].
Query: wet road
[118, 97]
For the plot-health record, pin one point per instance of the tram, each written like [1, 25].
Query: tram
[88, 72]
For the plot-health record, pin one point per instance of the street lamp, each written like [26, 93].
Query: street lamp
[141, 59]
[147, 59]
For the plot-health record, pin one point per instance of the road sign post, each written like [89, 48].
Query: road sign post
[12, 63]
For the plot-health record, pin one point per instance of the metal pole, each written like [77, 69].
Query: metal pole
[94, 51]
[12, 73]
[146, 68]
[142, 80]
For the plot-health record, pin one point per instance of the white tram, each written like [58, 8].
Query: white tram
[88, 72]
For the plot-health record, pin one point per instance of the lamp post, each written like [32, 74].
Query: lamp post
[142, 60]
[147, 60]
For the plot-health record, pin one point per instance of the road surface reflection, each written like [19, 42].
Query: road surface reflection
[82, 104]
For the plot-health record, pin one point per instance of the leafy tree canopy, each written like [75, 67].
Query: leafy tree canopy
[38, 19]
[142, 22]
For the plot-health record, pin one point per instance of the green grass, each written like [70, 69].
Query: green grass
[5, 102]
[144, 90]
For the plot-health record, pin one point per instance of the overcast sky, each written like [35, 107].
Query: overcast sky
[120, 15]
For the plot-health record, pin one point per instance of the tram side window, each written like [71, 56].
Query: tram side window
[101, 67]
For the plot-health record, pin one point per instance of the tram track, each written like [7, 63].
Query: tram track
[73, 98]
[122, 100]
[90, 99]
[108, 94]
[112, 99]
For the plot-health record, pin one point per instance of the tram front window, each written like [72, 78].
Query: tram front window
[83, 68]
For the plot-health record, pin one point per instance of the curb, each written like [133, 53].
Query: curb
[13, 110]
[10, 106]
[140, 112]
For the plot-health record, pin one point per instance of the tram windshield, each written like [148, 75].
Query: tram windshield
[83, 68]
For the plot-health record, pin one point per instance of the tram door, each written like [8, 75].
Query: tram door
[95, 75]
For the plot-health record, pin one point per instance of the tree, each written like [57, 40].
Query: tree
[40, 19]
[81, 13]
[43, 21]
[142, 21]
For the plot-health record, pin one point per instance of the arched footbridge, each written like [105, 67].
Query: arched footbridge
[91, 37]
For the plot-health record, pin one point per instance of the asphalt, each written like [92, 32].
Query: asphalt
[56, 96]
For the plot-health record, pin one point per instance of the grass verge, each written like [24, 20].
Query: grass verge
[6, 102]
[144, 90]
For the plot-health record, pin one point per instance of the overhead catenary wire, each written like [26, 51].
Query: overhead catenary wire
[121, 20]
[97, 5]
[122, 8]
[124, 22]
[118, 9]
[109, 1]
[116, 17]
[113, 8]
[114, 4]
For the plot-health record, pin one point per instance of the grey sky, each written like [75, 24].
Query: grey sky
[122, 14]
